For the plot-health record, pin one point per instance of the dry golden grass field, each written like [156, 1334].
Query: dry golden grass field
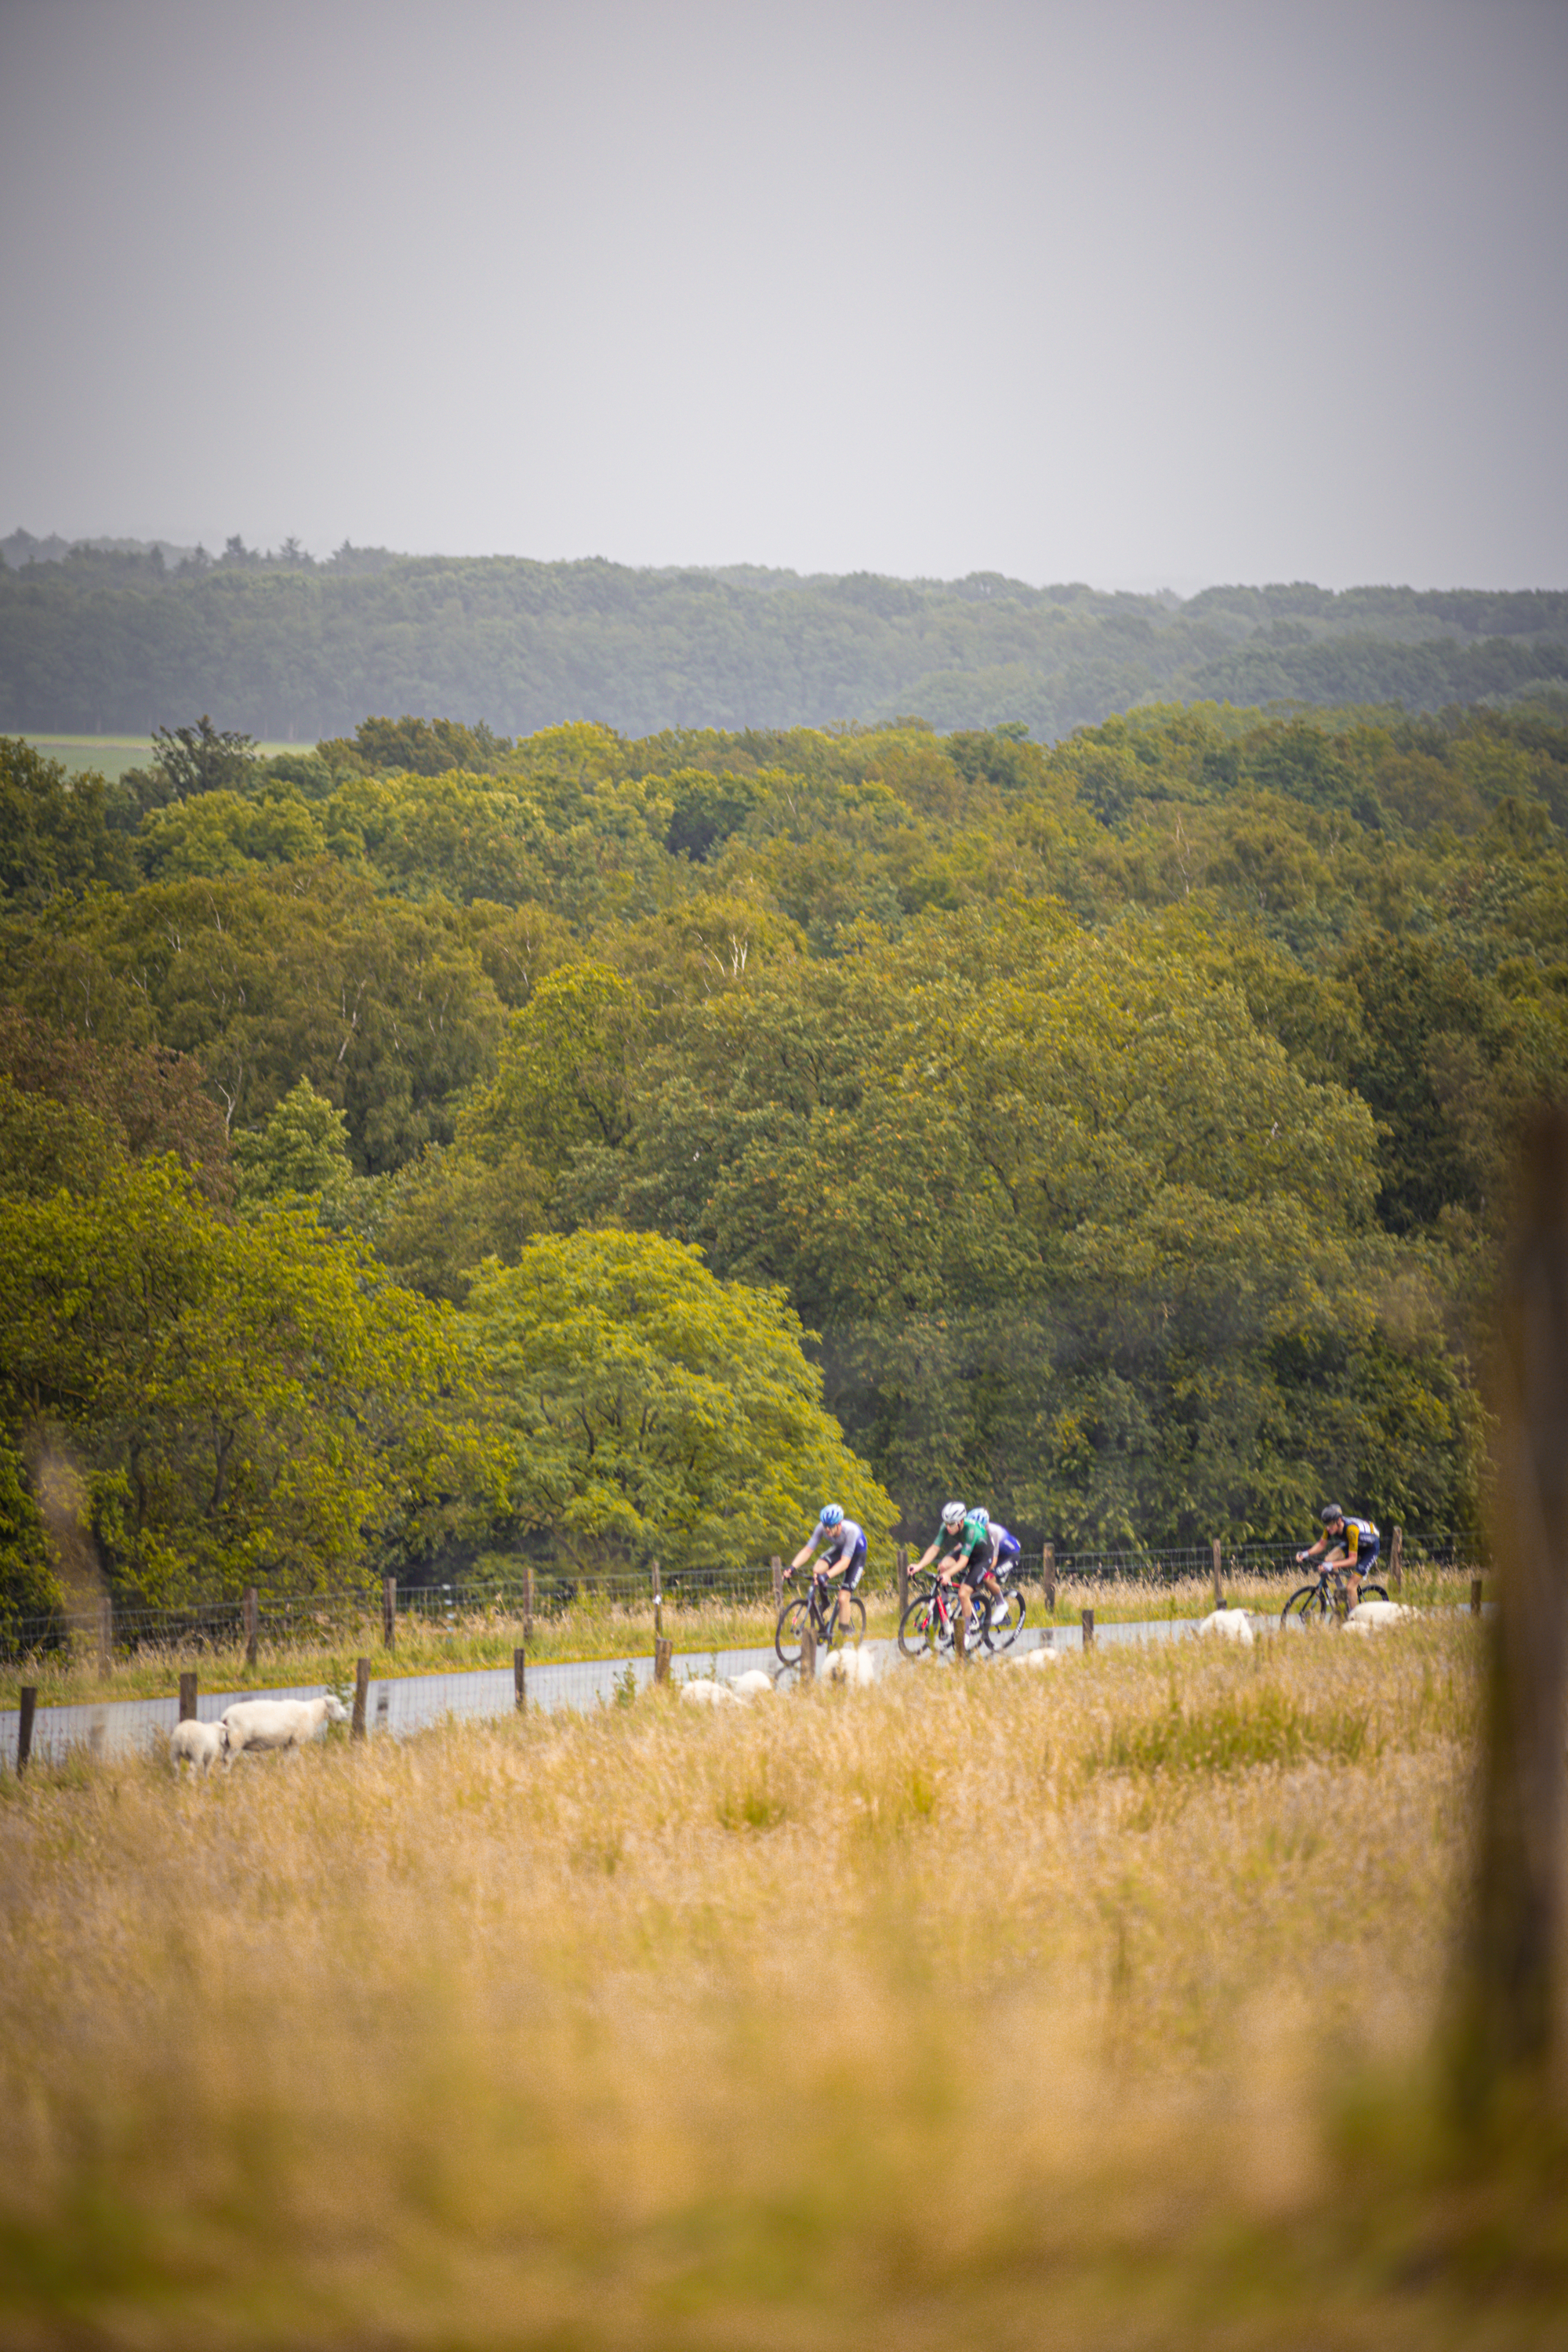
[1091, 2005]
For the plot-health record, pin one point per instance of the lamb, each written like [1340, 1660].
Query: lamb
[700, 1691]
[754, 1684]
[198, 1745]
[279, 1722]
[1231, 1624]
[856, 1669]
[1376, 1616]
[1033, 1659]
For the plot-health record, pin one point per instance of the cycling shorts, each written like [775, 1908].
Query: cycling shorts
[1366, 1562]
[1008, 1555]
[854, 1572]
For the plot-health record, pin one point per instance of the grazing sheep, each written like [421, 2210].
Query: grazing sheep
[1033, 1659]
[700, 1691]
[277, 1722]
[754, 1684]
[1231, 1624]
[1376, 1616]
[197, 1744]
[856, 1669]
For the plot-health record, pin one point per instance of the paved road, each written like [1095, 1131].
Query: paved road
[404, 1703]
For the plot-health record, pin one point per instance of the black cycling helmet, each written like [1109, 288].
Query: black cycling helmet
[1331, 1513]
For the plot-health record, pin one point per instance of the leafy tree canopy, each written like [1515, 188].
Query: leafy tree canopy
[655, 1411]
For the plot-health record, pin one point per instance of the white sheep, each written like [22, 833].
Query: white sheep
[700, 1691]
[1230, 1624]
[751, 1685]
[1033, 1660]
[856, 1669]
[1376, 1616]
[197, 1744]
[279, 1722]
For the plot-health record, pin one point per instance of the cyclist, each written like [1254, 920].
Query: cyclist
[1007, 1551]
[846, 1552]
[952, 1517]
[1351, 1543]
[972, 1561]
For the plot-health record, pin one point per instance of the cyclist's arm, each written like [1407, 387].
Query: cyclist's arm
[1316, 1551]
[804, 1554]
[925, 1559]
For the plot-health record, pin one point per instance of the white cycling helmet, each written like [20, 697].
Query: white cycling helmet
[953, 1514]
[832, 1515]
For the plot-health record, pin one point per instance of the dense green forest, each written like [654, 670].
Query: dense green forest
[112, 638]
[433, 1143]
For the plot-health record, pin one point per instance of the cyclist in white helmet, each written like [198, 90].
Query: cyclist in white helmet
[946, 1536]
[845, 1553]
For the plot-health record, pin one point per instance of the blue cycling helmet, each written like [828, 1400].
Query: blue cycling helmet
[832, 1515]
[979, 1518]
[953, 1514]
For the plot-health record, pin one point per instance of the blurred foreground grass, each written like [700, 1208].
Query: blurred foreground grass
[597, 1628]
[1089, 2005]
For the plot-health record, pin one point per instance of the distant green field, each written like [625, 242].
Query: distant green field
[112, 754]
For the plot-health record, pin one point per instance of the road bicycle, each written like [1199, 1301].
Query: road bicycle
[819, 1610]
[934, 1608]
[1327, 1596]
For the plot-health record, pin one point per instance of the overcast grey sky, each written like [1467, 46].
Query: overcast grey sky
[1136, 294]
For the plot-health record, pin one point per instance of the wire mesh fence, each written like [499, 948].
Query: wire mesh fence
[114, 1628]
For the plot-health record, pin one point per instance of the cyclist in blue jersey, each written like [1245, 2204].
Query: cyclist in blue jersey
[1351, 1543]
[1007, 1551]
[845, 1553]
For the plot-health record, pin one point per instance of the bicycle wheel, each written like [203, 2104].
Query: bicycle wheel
[919, 1622]
[1004, 1620]
[1374, 1592]
[1309, 1605]
[786, 1641]
[836, 1630]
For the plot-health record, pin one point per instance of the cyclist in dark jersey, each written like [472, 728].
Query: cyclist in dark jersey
[1350, 1542]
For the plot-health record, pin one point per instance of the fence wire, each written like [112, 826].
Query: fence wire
[115, 1629]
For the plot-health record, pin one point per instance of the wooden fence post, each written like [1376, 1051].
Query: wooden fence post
[24, 1727]
[776, 1565]
[1509, 2022]
[251, 1614]
[1219, 1586]
[1049, 1577]
[528, 1601]
[189, 1697]
[662, 1654]
[361, 1692]
[1088, 1629]
[903, 1580]
[1396, 1562]
[960, 1634]
[1475, 1596]
[105, 1637]
[520, 1679]
[658, 1605]
[807, 1653]
[389, 1613]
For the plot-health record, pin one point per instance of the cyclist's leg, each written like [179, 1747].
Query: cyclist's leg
[854, 1569]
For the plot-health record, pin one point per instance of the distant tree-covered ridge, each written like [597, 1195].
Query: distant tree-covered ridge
[115, 637]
